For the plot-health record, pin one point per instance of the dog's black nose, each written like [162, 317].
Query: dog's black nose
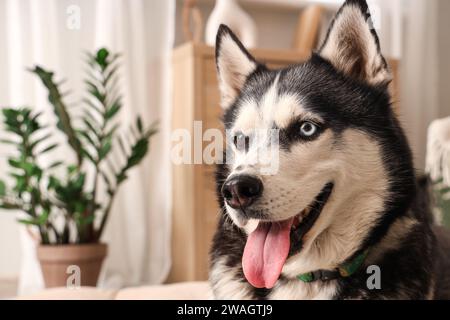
[240, 191]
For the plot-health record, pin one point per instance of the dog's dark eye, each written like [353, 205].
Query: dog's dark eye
[241, 142]
[308, 129]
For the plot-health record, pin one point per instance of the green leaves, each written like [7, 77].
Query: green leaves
[442, 200]
[39, 191]
[137, 150]
[102, 107]
[30, 140]
[101, 58]
[29, 168]
[2, 188]
[20, 122]
[105, 148]
[55, 164]
[25, 171]
[25, 126]
[64, 121]
[71, 194]
[134, 154]
[112, 111]
[48, 149]
[69, 191]
[41, 220]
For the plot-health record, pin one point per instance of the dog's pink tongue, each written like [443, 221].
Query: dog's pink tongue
[266, 252]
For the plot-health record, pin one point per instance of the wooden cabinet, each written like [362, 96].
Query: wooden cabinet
[195, 209]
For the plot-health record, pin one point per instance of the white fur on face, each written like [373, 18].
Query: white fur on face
[272, 109]
[353, 163]
[234, 66]
[303, 173]
[352, 49]
[356, 204]
[300, 176]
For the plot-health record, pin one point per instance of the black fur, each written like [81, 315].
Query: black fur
[417, 269]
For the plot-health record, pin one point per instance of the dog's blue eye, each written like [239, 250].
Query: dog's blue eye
[241, 142]
[308, 129]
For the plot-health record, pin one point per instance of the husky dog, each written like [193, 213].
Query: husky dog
[344, 216]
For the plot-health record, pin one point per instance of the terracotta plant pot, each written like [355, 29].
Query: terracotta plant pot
[69, 265]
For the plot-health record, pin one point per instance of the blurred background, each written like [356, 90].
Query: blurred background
[165, 52]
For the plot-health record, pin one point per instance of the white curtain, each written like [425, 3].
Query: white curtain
[43, 32]
[424, 70]
[416, 33]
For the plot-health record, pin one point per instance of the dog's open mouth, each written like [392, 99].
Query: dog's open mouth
[269, 246]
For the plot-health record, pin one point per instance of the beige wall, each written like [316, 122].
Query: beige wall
[444, 54]
[9, 245]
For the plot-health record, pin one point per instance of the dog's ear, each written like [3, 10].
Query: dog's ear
[353, 47]
[234, 65]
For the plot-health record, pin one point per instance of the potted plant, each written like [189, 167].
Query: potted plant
[64, 202]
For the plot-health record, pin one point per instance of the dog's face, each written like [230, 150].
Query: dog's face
[332, 118]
